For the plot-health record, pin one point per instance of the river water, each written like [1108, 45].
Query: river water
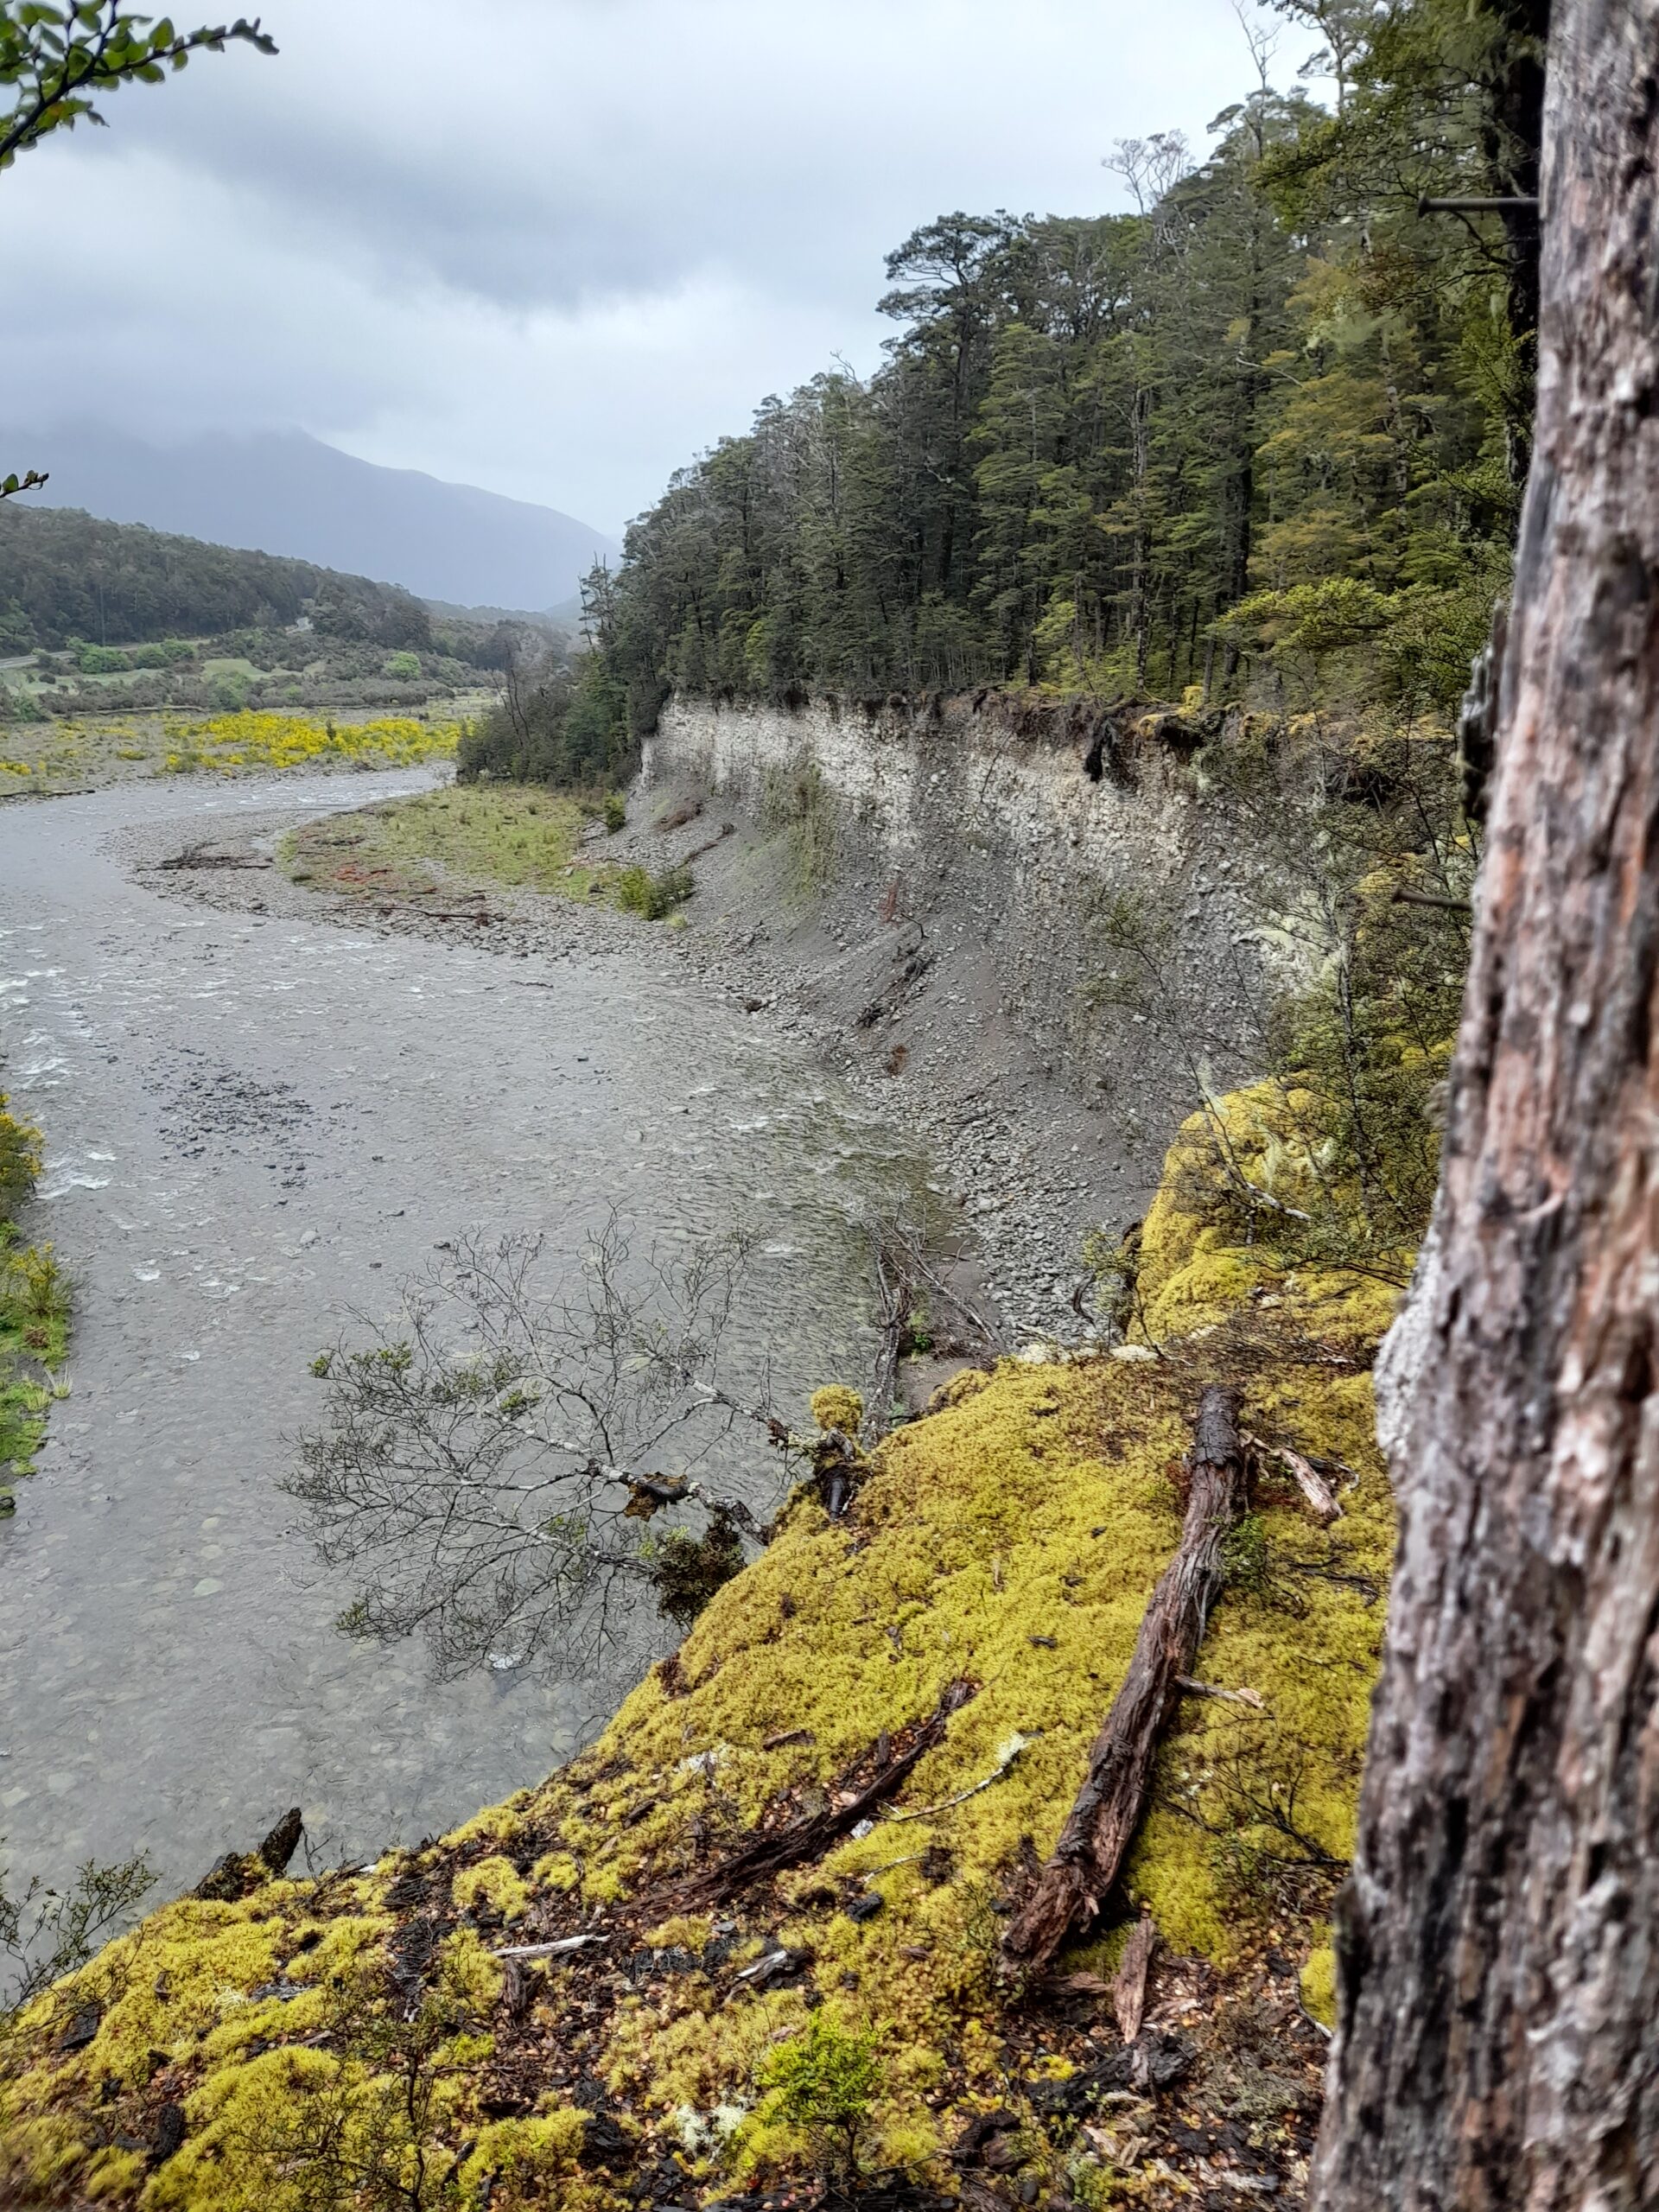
[253, 1127]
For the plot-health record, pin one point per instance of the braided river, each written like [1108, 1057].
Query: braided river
[253, 1128]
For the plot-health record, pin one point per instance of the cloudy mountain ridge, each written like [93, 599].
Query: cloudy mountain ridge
[282, 492]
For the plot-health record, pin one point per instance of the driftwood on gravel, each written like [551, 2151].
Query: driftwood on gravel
[904, 1275]
[850, 1801]
[1103, 1821]
[202, 857]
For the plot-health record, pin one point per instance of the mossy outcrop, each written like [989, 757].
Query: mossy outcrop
[419, 2025]
[34, 1309]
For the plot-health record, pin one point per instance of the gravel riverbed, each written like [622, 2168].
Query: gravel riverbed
[261, 1114]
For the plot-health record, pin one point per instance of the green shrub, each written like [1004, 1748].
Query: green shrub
[565, 724]
[405, 666]
[615, 812]
[639, 891]
[687, 1570]
[797, 799]
[825, 2081]
[101, 660]
[19, 1160]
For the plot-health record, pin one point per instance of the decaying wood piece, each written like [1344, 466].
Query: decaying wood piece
[1497, 2040]
[236, 1874]
[565, 1946]
[1130, 1988]
[1320, 1498]
[772, 1851]
[904, 1274]
[1254, 1699]
[1103, 1821]
[283, 1840]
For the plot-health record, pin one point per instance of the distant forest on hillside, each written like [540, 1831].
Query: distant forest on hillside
[65, 576]
[1270, 428]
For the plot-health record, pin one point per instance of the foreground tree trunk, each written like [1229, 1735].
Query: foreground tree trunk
[1499, 1945]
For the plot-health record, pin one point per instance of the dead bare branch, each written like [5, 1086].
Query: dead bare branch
[493, 1460]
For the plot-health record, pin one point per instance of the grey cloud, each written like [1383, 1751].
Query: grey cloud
[564, 250]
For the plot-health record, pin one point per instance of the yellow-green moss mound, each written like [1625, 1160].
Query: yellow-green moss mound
[1241, 1168]
[1009, 1541]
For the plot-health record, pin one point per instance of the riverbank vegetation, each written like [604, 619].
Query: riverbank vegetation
[77, 753]
[228, 744]
[757, 1928]
[34, 1310]
[467, 838]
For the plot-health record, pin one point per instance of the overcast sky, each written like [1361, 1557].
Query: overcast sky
[559, 252]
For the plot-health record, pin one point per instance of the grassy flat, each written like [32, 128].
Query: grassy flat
[525, 839]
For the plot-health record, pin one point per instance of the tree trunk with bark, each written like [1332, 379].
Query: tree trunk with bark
[1108, 1810]
[1498, 1943]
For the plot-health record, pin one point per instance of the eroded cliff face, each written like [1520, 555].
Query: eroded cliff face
[1041, 906]
[1054, 832]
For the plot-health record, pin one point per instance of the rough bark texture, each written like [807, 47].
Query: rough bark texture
[1130, 1987]
[1498, 1944]
[1102, 1823]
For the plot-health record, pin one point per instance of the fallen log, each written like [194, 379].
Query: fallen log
[774, 1849]
[1108, 1810]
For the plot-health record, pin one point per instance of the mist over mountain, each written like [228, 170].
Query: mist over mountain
[284, 492]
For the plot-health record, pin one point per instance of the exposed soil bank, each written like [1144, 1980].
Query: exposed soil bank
[938, 883]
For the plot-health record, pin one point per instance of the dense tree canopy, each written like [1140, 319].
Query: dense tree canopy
[1271, 420]
[64, 574]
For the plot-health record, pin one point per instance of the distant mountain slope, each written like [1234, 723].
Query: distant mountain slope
[63, 575]
[284, 493]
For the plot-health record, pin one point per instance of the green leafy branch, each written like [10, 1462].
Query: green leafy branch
[59, 59]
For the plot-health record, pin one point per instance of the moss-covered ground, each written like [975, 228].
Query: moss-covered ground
[34, 1312]
[336, 2042]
